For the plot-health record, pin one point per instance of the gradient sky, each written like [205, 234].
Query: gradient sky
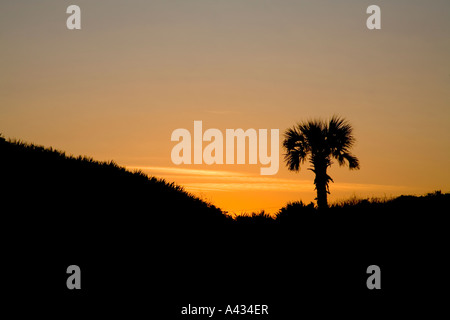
[138, 70]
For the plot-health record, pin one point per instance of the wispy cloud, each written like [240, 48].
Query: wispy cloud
[187, 172]
[200, 180]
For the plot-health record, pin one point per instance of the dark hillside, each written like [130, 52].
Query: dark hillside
[44, 182]
[141, 241]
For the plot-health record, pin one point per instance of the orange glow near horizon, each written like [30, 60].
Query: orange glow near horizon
[238, 192]
[117, 88]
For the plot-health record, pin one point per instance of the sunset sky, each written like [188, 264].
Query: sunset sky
[138, 70]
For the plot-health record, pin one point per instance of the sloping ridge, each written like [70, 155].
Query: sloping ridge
[133, 236]
[48, 187]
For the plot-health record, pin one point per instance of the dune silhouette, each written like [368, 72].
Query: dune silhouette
[141, 240]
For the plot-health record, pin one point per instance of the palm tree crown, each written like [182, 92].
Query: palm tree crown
[320, 142]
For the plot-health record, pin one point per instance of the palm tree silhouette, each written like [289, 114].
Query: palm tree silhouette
[319, 142]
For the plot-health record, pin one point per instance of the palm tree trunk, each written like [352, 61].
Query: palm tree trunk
[321, 182]
[322, 195]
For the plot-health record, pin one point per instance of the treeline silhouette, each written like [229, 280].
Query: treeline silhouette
[141, 240]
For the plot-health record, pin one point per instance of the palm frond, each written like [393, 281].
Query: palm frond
[353, 162]
[340, 140]
[296, 148]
